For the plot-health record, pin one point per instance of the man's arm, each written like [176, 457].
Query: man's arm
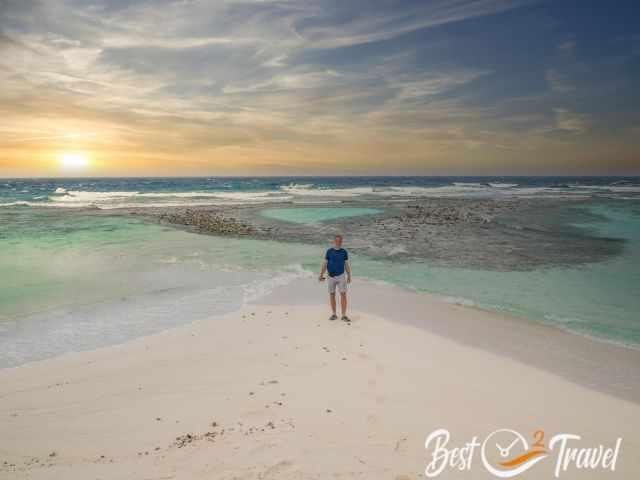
[322, 270]
[347, 269]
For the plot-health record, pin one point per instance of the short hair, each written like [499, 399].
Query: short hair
[338, 236]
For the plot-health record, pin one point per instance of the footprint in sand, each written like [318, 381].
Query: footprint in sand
[275, 471]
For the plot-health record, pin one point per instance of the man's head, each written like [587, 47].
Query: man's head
[337, 241]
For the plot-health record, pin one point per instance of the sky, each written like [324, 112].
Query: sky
[323, 87]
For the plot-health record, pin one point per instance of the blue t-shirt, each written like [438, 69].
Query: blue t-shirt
[335, 261]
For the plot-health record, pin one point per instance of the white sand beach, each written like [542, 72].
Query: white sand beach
[276, 391]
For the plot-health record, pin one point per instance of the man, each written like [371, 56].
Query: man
[336, 262]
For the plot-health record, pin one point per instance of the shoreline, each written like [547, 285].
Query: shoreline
[519, 338]
[307, 292]
[261, 392]
[511, 317]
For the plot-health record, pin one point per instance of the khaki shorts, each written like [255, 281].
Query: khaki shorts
[339, 281]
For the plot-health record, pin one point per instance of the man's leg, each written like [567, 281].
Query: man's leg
[343, 303]
[342, 287]
[332, 297]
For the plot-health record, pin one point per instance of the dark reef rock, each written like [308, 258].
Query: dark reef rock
[476, 233]
[206, 221]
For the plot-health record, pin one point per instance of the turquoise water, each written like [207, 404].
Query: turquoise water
[599, 299]
[76, 282]
[315, 214]
[48, 260]
[73, 280]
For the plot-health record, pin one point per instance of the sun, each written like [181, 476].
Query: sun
[74, 161]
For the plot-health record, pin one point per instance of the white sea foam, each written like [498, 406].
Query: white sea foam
[610, 188]
[443, 191]
[307, 190]
[249, 196]
[90, 197]
[469, 184]
[618, 197]
[114, 206]
[190, 203]
[228, 195]
[460, 301]
[625, 189]
[24, 203]
[503, 185]
[392, 191]
[533, 190]
[308, 193]
[110, 200]
[261, 288]
[398, 249]
[14, 204]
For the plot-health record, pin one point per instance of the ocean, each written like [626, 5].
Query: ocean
[77, 273]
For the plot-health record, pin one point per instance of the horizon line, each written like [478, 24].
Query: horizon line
[636, 175]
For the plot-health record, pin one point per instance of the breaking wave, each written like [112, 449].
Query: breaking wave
[123, 199]
[136, 193]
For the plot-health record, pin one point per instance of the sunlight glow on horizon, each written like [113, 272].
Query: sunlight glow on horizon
[74, 161]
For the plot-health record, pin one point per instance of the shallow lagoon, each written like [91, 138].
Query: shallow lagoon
[77, 279]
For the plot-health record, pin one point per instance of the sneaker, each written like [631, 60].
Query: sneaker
[345, 318]
[333, 317]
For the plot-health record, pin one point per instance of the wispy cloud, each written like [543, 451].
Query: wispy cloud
[570, 121]
[394, 20]
[324, 81]
[557, 81]
[567, 47]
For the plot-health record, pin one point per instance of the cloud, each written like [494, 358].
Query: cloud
[570, 121]
[567, 47]
[294, 79]
[332, 26]
[558, 82]
[417, 87]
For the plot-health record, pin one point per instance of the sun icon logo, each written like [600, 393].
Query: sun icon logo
[506, 453]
